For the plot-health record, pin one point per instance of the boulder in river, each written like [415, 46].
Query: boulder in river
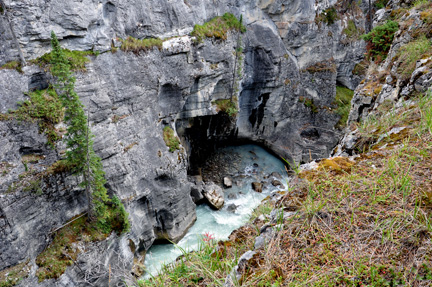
[232, 207]
[276, 182]
[257, 186]
[227, 181]
[214, 194]
[276, 175]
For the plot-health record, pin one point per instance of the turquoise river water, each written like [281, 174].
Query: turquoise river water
[247, 163]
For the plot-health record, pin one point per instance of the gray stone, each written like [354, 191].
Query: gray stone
[175, 86]
[227, 181]
[276, 182]
[232, 208]
[214, 194]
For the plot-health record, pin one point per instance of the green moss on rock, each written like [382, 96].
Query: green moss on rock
[76, 59]
[170, 139]
[218, 27]
[343, 102]
[131, 44]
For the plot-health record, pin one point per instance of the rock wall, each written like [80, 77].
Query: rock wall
[389, 85]
[291, 59]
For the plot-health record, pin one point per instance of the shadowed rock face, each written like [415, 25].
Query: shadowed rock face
[288, 62]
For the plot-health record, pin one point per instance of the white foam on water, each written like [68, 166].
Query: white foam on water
[221, 223]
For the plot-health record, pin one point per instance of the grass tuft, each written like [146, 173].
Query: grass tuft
[13, 65]
[227, 106]
[170, 139]
[44, 107]
[137, 46]
[409, 54]
[218, 27]
[351, 31]
[309, 103]
[61, 253]
[328, 16]
[343, 102]
[76, 59]
[12, 276]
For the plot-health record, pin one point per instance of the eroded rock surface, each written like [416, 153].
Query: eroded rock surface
[291, 64]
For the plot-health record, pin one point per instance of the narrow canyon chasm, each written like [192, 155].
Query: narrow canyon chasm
[280, 74]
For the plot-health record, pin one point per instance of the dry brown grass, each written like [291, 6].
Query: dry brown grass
[362, 222]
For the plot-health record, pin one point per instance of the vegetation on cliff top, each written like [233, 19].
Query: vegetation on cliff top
[136, 46]
[379, 40]
[75, 59]
[218, 27]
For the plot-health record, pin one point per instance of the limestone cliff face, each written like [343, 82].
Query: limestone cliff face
[390, 83]
[290, 58]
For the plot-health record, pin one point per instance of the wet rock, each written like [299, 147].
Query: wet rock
[257, 186]
[197, 193]
[227, 181]
[232, 196]
[277, 183]
[232, 208]
[214, 194]
[276, 175]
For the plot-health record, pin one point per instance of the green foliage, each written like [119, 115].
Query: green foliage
[43, 106]
[218, 27]
[379, 40]
[12, 276]
[351, 31]
[170, 139]
[80, 154]
[34, 186]
[426, 16]
[343, 102]
[75, 59]
[13, 65]
[118, 215]
[381, 4]
[328, 16]
[411, 53]
[419, 3]
[60, 254]
[309, 103]
[136, 46]
[193, 267]
[360, 69]
[227, 106]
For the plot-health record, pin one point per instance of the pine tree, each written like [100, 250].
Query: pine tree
[79, 139]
